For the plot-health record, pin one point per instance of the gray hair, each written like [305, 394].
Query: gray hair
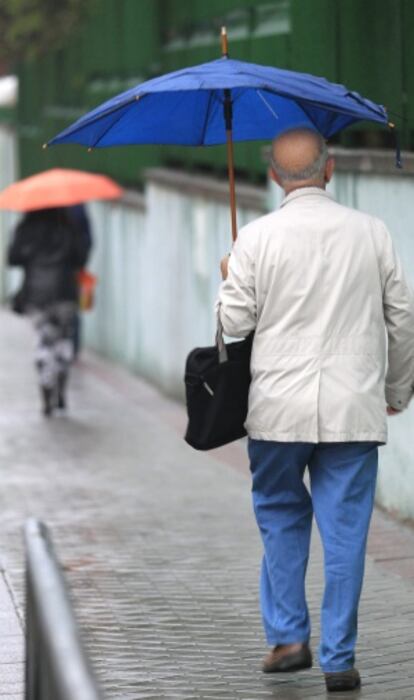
[312, 171]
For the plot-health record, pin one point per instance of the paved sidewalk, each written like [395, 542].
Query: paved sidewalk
[160, 547]
[11, 644]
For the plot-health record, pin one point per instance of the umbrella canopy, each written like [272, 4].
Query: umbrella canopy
[58, 188]
[186, 107]
[220, 102]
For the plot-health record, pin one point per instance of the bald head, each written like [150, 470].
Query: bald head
[299, 157]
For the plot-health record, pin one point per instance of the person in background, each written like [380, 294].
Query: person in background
[46, 245]
[80, 220]
[322, 287]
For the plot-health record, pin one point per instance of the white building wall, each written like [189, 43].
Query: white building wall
[8, 174]
[157, 263]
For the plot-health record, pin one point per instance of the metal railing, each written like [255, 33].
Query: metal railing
[56, 665]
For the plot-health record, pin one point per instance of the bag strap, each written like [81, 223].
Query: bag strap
[221, 345]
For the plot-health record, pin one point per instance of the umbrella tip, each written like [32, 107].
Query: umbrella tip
[44, 146]
[90, 149]
[224, 42]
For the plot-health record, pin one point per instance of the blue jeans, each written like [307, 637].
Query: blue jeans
[342, 479]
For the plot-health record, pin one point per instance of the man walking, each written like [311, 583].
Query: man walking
[321, 286]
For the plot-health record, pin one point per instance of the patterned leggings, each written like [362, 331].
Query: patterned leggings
[54, 352]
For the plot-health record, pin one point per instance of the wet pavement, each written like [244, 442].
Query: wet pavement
[160, 547]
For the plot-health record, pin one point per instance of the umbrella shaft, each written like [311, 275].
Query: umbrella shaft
[228, 110]
[232, 186]
[228, 120]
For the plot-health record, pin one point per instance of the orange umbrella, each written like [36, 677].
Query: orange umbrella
[58, 187]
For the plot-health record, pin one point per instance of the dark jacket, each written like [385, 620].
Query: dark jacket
[51, 251]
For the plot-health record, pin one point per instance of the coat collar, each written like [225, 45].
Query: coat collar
[303, 192]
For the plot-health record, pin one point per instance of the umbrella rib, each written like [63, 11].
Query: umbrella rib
[119, 117]
[360, 100]
[271, 110]
[299, 103]
[203, 133]
[336, 110]
[311, 119]
[315, 104]
[98, 117]
[381, 117]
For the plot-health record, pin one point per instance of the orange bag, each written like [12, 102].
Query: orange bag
[87, 284]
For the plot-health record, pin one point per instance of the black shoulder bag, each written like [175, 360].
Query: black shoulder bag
[217, 381]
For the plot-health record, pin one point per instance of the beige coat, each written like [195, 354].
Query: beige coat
[322, 286]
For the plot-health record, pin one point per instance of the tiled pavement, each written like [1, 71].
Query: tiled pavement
[11, 644]
[160, 548]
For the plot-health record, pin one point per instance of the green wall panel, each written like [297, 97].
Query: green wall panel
[370, 51]
[405, 119]
[314, 37]
[366, 44]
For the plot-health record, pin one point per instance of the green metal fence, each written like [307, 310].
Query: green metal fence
[364, 43]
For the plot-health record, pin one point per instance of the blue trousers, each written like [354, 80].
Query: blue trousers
[342, 487]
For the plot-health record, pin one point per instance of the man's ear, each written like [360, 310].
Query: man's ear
[274, 176]
[329, 168]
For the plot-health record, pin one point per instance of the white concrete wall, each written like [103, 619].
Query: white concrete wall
[8, 174]
[391, 198]
[158, 272]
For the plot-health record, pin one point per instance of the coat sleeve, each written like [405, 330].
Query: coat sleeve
[398, 302]
[82, 235]
[237, 295]
[20, 248]
[80, 249]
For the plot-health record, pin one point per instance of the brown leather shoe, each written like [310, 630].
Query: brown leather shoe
[288, 657]
[342, 680]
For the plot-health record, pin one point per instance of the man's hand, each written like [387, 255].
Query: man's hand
[224, 266]
[392, 411]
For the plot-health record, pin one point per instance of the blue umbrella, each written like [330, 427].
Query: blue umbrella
[221, 101]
